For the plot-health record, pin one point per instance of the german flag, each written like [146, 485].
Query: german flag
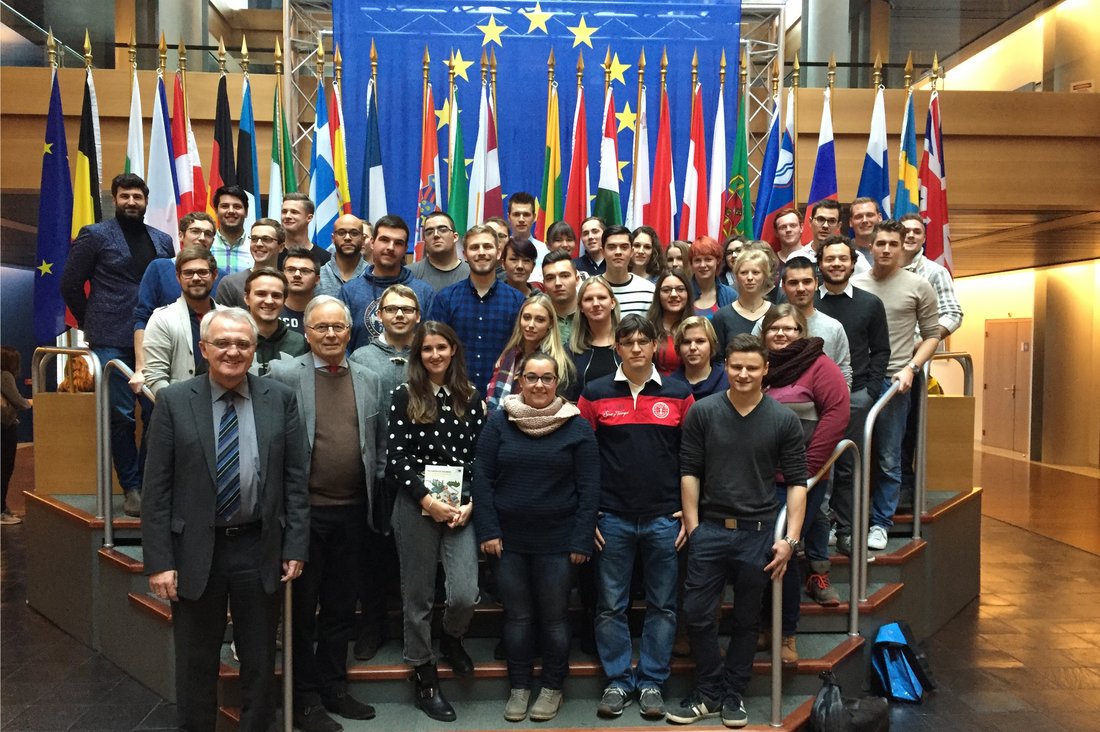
[222, 172]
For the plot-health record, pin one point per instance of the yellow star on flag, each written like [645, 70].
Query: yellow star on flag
[492, 32]
[45, 268]
[582, 33]
[617, 69]
[536, 18]
[626, 118]
[48, 149]
[622, 165]
[443, 115]
[460, 65]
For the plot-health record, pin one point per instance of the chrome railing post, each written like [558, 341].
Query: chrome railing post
[777, 628]
[105, 444]
[288, 658]
[863, 519]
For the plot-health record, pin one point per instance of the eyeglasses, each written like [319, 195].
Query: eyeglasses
[190, 274]
[337, 328]
[266, 240]
[199, 232]
[679, 290]
[405, 310]
[732, 253]
[224, 344]
[546, 379]
[441, 230]
[639, 342]
[788, 329]
[345, 233]
[298, 270]
[822, 221]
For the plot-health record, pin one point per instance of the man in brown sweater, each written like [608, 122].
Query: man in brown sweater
[341, 406]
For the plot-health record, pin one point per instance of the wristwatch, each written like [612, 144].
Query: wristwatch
[796, 545]
[914, 368]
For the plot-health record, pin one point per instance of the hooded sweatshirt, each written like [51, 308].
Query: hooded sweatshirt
[389, 364]
[363, 295]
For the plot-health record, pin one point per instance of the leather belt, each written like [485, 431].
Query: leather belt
[238, 529]
[741, 525]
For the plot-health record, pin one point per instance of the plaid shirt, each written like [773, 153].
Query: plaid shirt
[951, 314]
[483, 324]
[504, 378]
[232, 257]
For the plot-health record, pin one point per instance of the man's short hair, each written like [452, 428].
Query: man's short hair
[302, 198]
[825, 203]
[326, 300]
[861, 200]
[558, 255]
[280, 230]
[188, 219]
[914, 217]
[235, 191]
[836, 239]
[888, 225]
[799, 263]
[521, 197]
[297, 253]
[617, 230]
[433, 214]
[399, 291]
[479, 229]
[393, 221]
[239, 315]
[195, 254]
[635, 323]
[603, 224]
[128, 180]
[496, 220]
[266, 272]
[746, 343]
[785, 212]
[696, 321]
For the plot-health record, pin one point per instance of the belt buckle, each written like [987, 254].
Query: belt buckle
[731, 523]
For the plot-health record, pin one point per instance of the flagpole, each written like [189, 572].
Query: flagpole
[424, 100]
[876, 77]
[935, 69]
[606, 74]
[162, 55]
[493, 80]
[374, 64]
[132, 52]
[694, 70]
[182, 66]
[580, 72]
[484, 66]
[450, 132]
[794, 133]
[908, 81]
[664, 68]
[51, 50]
[221, 56]
[637, 138]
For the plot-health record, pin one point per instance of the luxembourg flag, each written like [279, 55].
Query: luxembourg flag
[693, 213]
[322, 179]
[874, 181]
[823, 184]
[163, 189]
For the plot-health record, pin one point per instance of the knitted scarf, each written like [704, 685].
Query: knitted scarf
[787, 364]
[538, 422]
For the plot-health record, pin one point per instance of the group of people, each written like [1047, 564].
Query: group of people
[338, 416]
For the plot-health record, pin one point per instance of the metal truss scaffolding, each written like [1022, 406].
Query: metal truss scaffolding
[306, 23]
[762, 32]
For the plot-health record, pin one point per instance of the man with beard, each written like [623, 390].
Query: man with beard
[231, 208]
[441, 265]
[112, 256]
[171, 348]
[264, 294]
[347, 261]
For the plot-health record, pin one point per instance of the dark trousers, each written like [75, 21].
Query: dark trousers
[793, 578]
[9, 443]
[199, 628]
[534, 589]
[379, 582]
[330, 579]
[716, 554]
[909, 442]
[128, 458]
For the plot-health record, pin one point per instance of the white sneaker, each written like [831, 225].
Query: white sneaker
[8, 518]
[876, 538]
[832, 536]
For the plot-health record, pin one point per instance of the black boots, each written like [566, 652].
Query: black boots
[450, 648]
[429, 697]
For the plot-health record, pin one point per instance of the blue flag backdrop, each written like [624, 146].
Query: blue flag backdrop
[55, 213]
[522, 34]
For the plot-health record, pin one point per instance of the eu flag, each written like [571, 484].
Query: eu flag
[55, 213]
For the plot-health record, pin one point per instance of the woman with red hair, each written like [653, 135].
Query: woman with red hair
[710, 294]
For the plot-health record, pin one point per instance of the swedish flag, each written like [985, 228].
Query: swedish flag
[55, 213]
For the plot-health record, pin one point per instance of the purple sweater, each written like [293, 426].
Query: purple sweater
[820, 399]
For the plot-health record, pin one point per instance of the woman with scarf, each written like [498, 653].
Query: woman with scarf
[539, 524]
[801, 376]
[535, 330]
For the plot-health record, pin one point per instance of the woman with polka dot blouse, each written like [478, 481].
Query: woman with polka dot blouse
[434, 422]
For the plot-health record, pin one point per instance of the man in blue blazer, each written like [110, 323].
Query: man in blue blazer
[112, 256]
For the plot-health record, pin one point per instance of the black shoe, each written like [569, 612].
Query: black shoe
[498, 651]
[348, 707]
[450, 648]
[367, 645]
[429, 697]
[314, 719]
[131, 503]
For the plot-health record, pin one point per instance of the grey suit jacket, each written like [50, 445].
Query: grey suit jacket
[168, 346]
[298, 374]
[180, 487]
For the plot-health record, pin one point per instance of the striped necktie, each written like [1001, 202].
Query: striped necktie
[229, 462]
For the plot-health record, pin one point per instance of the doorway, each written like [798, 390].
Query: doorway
[1006, 387]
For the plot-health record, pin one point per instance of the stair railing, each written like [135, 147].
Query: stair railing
[103, 464]
[861, 501]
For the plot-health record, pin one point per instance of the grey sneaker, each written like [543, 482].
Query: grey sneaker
[516, 708]
[651, 704]
[844, 543]
[613, 701]
[546, 706]
[131, 503]
[694, 708]
[733, 712]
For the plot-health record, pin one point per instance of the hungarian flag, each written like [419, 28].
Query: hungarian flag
[576, 193]
[933, 189]
[222, 171]
[135, 137]
[660, 210]
[373, 204]
[737, 203]
[718, 187]
[188, 170]
[607, 205]
[823, 184]
[550, 204]
[638, 200]
[248, 174]
[339, 147]
[86, 206]
[485, 199]
[693, 213]
[427, 197]
[322, 178]
[458, 188]
[281, 178]
[874, 180]
[55, 214]
[163, 188]
[907, 193]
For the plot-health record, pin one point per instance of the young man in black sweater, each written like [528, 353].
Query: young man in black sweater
[730, 506]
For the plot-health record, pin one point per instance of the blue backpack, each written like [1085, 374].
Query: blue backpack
[899, 665]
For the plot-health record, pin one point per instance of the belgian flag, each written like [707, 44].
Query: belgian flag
[222, 172]
[87, 208]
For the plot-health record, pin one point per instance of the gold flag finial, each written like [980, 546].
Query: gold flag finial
[493, 69]
[550, 63]
[278, 58]
[641, 63]
[908, 81]
[832, 70]
[484, 65]
[87, 50]
[373, 61]
[936, 71]
[876, 78]
[744, 71]
[221, 54]
[244, 54]
[664, 67]
[181, 51]
[51, 49]
[132, 50]
[607, 69]
[580, 69]
[775, 79]
[320, 58]
[795, 73]
[722, 69]
[694, 69]
[337, 63]
[162, 53]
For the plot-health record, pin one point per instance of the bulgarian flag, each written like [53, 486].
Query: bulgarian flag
[607, 205]
[550, 204]
[135, 137]
[576, 196]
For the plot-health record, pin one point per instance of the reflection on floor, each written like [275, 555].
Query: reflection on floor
[1026, 656]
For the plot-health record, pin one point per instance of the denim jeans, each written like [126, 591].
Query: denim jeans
[793, 578]
[655, 539]
[886, 459]
[534, 589]
[843, 475]
[716, 554]
[129, 461]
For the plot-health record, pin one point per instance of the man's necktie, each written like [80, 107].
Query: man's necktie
[229, 462]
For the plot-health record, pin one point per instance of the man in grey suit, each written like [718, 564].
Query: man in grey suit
[226, 518]
[345, 422]
[112, 256]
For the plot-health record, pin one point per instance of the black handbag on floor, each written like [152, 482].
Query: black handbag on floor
[833, 712]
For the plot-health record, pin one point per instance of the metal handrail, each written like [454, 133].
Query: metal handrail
[103, 464]
[288, 657]
[862, 517]
[965, 361]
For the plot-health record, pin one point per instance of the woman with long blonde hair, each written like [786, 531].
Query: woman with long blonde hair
[536, 329]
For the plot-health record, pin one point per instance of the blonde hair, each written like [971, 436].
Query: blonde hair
[755, 256]
[551, 345]
[581, 338]
[696, 321]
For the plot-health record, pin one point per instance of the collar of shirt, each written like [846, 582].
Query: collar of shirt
[442, 389]
[217, 390]
[915, 265]
[620, 375]
[220, 238]
[320, 363]
[488, 293]
[823, 291]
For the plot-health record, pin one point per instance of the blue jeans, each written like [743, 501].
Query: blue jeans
[534, 589]
[886, 459]
[623, 538]
[716, 554]
[843, 476]
[129, 461]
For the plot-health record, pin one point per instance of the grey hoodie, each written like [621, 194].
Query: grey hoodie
[388, 363]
